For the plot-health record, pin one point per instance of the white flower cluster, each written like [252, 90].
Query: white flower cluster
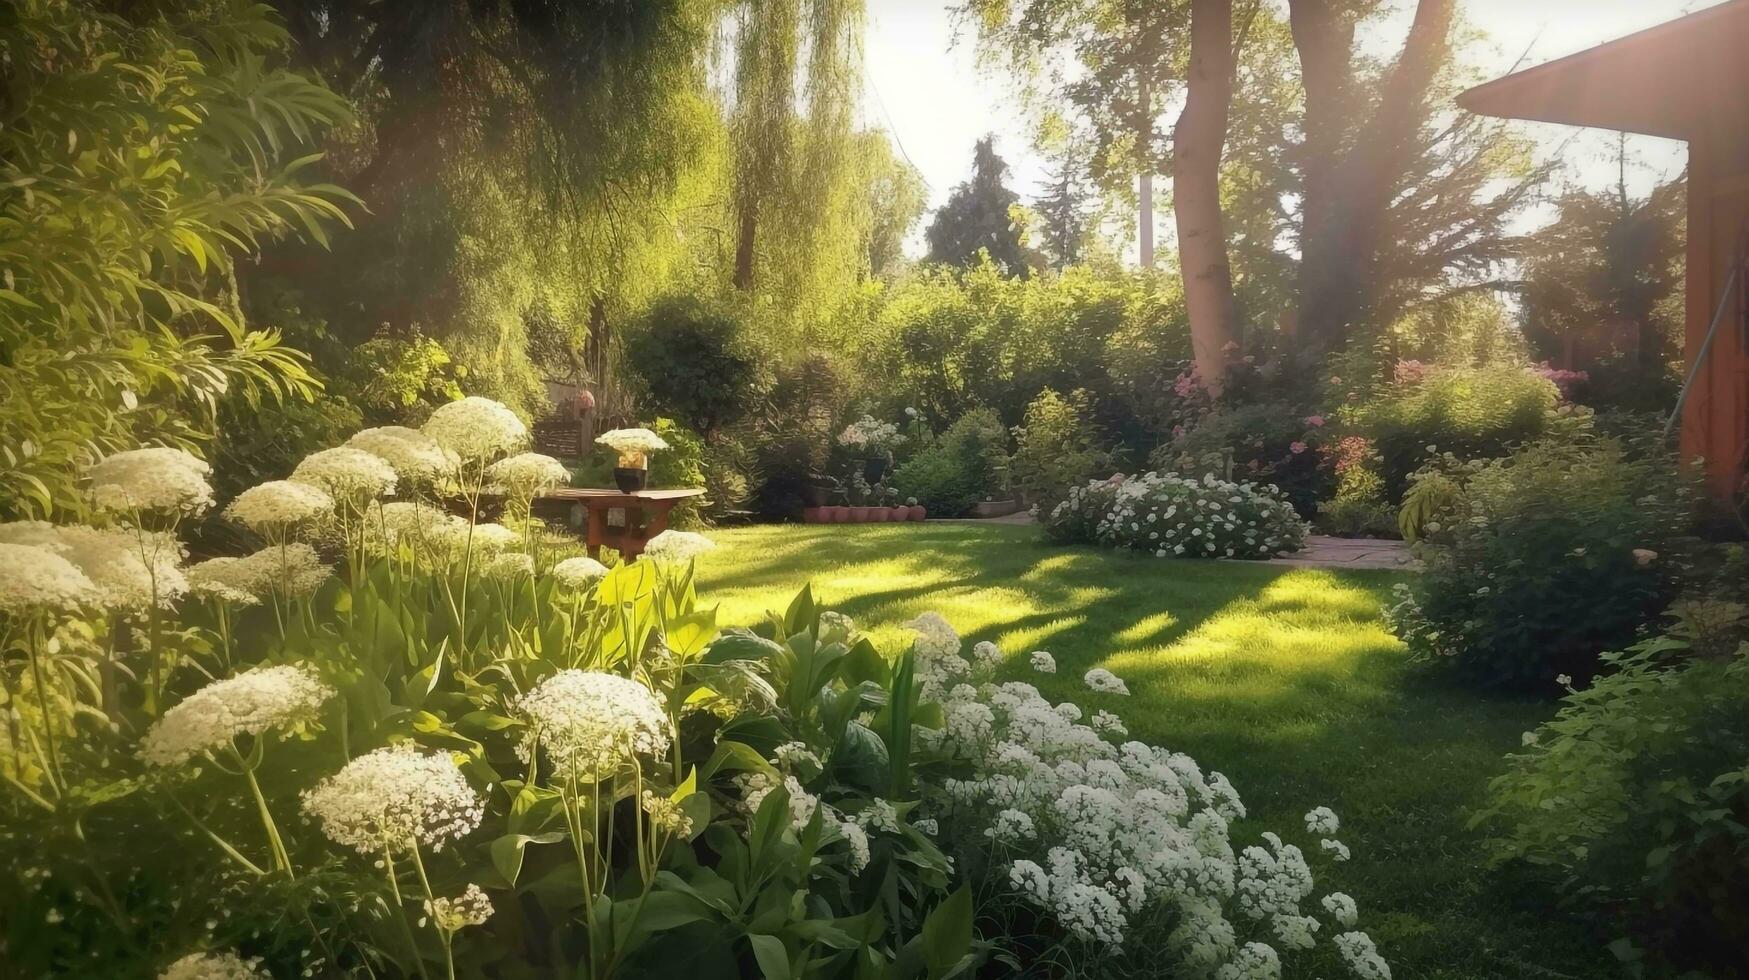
[866, 433]
[1043, 662]
[1103, 834]
[36, 579]
[293, 570]
[508, 566]
[1102, 681]
[590, 723]
[279, 505]
[251, 703]
[417, 458]
[226, 579]
[631, 441]
[395, 797]
[1176, 517]
[127, 567]
[525, 475]
[476, 429]
[152, 479]
[346, 473]
[452, 915]
[578, 574]
[677, 546]
[756, 786]
[1322, 820]
[213, 966]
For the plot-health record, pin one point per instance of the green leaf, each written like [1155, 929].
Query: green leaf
[772, 957]
[947, 934]
[802, 614]
[736, 643]
[507, 852]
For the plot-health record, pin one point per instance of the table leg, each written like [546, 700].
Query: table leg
[597, 531]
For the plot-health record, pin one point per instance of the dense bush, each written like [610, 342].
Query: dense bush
[1476, 413]
[790, 437]
[963, 466]
[1179, 517]
[1636, 796]
[1537, 563]
[695, 363]
[1358, 507]
[1266, 442]
[1056, 447]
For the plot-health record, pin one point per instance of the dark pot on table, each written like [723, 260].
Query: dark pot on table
[630, 480]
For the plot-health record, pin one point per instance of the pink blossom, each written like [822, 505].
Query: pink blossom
[1296, 448]
[1315, 421]
[1409, 372]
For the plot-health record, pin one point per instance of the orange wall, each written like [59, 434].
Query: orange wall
[1715, 419]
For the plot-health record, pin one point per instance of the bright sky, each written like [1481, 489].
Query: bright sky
[925, 87]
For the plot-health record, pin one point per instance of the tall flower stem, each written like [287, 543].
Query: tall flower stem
[281, 858]
[53, 768]
[401, 909]
[431, 909]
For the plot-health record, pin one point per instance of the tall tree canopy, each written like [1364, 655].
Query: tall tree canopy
[978, 216]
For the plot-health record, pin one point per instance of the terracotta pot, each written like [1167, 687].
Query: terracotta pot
[859, 515]
[813, 515]
[916, 512]
[897, 513]
[834, 514]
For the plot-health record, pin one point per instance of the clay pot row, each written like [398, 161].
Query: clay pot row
[861, 515]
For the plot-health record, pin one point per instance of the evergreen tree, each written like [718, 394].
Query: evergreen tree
[976, 216]
[1062, 212]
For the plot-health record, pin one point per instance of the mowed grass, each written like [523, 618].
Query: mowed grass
[1286, 679]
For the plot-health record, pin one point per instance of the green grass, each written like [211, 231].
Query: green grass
[1284, 678]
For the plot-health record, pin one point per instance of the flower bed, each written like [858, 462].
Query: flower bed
[1175, 517]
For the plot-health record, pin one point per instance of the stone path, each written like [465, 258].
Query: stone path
[1327, 552]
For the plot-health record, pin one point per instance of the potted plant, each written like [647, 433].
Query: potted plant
[632, 473]
[874, 442]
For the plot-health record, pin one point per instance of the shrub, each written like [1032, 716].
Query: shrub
[964, 465]
[1539, 562]
[1177, 517]
[1265, 442]
[1472, 412]
[790, 437]
[1058, 446]
[1636, 796]
[1359, 508]
[695, 363]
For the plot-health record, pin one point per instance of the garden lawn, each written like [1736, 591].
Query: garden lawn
[1284, 678]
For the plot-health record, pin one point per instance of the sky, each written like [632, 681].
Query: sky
[924, 86]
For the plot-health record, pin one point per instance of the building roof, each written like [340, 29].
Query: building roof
[1662, 81]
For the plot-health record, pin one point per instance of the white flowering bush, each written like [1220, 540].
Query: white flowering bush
[632, 445]
[1125, 848]
[871, 436]
[1170, 516]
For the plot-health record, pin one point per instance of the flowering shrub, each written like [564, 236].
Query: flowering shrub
[1265, 441]
[869, 436]
[1175, 517]
[1537, 563]
[1120, 849]
[1057, 446]
[1635, 797]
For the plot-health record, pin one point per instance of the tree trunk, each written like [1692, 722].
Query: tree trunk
[1145, 182]
[1324, 39]
[1197, 143]
[744, 247]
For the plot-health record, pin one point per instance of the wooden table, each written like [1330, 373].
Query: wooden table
[646, 515]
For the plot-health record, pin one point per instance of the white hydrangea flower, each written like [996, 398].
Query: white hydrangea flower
[1254, 961]
[507, 566]
[1362, 956]
[1322, 821]
[395, 797]
[1295, 931]
[631, 441]
[415, 456]
[278, 505]
[116, 562]
[452, 915]
[677, 546]
[526, 474]
[1043, 662]
[857, 838]
[153, 479]
[345, 473]
[1337, 850]
[251, 703]
[1342, 908]
[1105, 682]
[214, 966]
[590, 723]
[578, 574]
[226, 579]
[476, 429]
[1011, 827]
[34, 579]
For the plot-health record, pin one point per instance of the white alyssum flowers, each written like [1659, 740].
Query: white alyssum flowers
[278, 505]
[251, 703]
[476, 429]
[590, 723]
[213, 966]
[33, 579]
[1171, 516]
[452, 915]
[345, 473]
[578, 574]
[1105, 682]
[1043, 662]
[152, 479]
[677, 546]
[395, 797]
